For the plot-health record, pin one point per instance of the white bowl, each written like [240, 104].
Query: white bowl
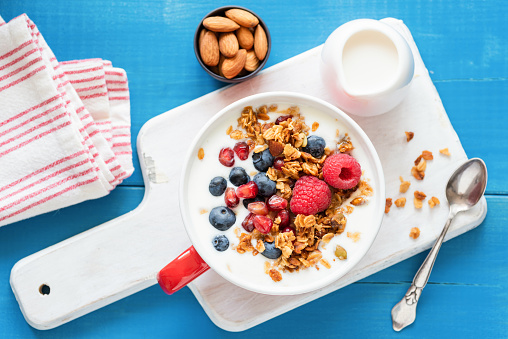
[246, 270]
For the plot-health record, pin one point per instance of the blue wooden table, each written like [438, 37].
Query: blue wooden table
[463, 44]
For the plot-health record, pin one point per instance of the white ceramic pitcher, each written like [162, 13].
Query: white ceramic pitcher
[368, 67]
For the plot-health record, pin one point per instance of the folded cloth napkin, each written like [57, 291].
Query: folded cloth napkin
[58, 145]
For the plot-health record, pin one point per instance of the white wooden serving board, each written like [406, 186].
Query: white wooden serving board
[90, 270]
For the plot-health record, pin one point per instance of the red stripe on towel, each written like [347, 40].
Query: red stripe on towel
[33, 108]
[35, 117]
[56, 128]
[23, 45]
[22, 68]
[54, 174]
[23, 78]
[43, 169]
[13, 62]
[70, 188]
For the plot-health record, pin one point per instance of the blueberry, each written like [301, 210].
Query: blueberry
[271, 252]
[238, 176]
[315, 146]
[222, 218]
[265, 185]
[217, 186]
[262, 160]
[221, 243]
[246, 202]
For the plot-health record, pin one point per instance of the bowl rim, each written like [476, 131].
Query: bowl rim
[217, 76]
[281, 96]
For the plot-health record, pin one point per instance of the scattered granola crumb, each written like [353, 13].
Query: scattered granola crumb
[315, 126]
[388, 204]
[418, 203]
[404, 185]
[325, 263]
[420, 195]
[253, 173]
[275, 275]
[427, 155]
[409, 136]
[201, 154]
[354, 236]
[445, 151]
[401, 202]
[414, 233]
[433, 202]
[229, 130]
[418, 171]
[203, 211]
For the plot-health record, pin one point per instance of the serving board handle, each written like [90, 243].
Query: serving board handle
[94, 268]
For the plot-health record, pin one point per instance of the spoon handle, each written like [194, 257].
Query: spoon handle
[404, 313]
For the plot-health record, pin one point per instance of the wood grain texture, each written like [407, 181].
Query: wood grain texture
[462, 43]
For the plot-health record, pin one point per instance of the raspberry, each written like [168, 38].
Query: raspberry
[342, 171]
[227, 157]
[242, 150]
[310, 196]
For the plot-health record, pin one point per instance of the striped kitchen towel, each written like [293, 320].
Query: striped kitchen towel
[58, 123]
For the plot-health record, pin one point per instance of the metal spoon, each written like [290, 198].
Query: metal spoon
[464, 189]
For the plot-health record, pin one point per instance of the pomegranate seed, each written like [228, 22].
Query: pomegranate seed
[284, 218]
[262, 223]
[282, 118]
[276, 203]
[258, 208]
[278, 163]
[248, 223]
[242, 150]
[230, 198]
[227, 157]
[288, 229]
[247, 191]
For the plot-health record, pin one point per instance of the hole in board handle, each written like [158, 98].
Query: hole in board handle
[44, 289]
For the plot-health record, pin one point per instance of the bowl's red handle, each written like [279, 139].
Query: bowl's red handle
[181, 271]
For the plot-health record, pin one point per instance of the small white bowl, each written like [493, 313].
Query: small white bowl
[352, 61]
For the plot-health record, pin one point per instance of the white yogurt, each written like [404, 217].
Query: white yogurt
[242, 268]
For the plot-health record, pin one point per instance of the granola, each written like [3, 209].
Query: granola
[300, 246]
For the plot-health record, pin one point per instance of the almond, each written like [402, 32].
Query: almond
[232, 66]
[276, 148]
[260, 42]
[209, 49]
[228, 44]
[242, 17]
[252, 62]
[220, 24]
[245, 38]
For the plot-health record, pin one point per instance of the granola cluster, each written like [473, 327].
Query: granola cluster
[285, 139]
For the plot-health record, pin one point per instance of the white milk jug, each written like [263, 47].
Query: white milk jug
[367, 66]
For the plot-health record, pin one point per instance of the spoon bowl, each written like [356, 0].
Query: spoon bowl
[467, 185]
